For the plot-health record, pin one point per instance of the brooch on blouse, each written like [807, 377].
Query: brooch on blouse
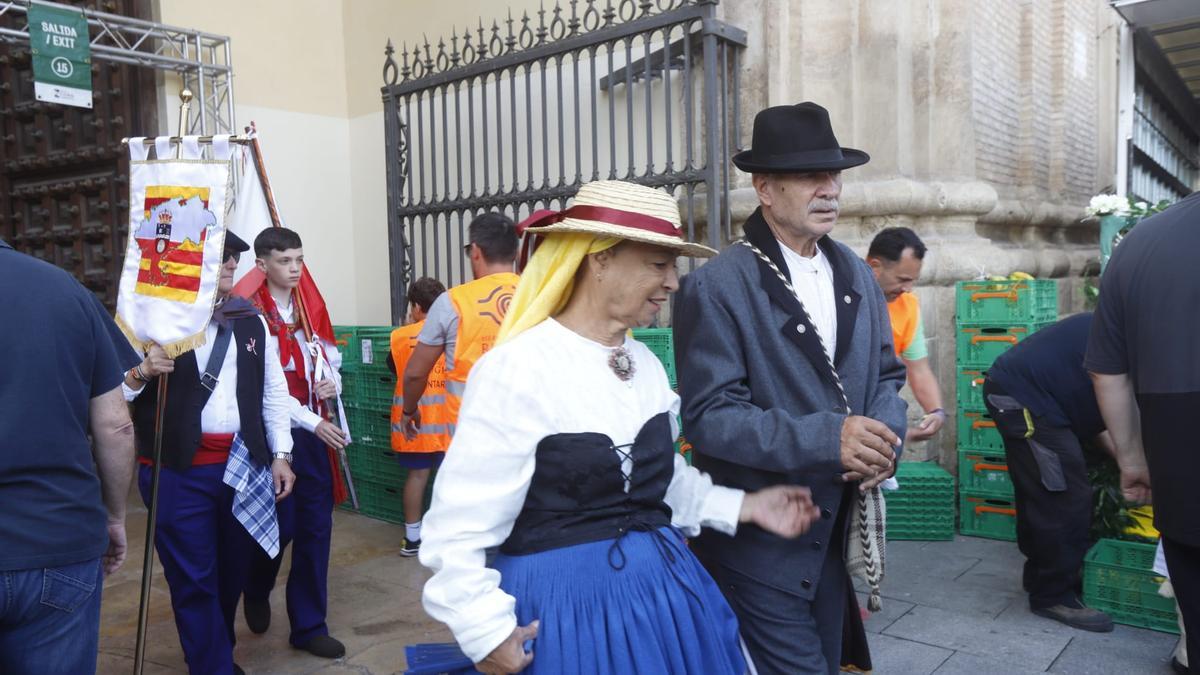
[621, 364]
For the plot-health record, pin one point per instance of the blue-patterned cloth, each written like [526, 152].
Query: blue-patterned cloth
[254, 496]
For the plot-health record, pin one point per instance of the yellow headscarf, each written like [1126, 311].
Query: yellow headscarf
[548, 279]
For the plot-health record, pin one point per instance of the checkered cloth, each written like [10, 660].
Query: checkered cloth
[254, 496]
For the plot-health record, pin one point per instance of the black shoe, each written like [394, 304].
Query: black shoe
[409, 548]
[237, 670]
[258, 615]
[1178, 667]
[1083, 618]
[325, 647]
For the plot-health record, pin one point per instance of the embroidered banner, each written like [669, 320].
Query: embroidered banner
[177, 213]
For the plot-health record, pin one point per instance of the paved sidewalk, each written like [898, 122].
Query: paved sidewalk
[957, 608]
[949, 607]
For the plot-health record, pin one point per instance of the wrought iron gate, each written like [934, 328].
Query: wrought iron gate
[517, 118]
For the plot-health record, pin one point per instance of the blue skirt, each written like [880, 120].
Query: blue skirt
[644, 605]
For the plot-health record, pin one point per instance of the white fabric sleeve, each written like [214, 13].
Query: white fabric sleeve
[695, 502]
[301, 417]
[276, 409]
[131, 393]
[480, 491]
[441, 317]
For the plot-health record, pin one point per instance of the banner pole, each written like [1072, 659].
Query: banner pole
[151, 518]
[139, 654]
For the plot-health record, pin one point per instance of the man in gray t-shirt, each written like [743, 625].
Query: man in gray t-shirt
[441, 328]
[1144, 357]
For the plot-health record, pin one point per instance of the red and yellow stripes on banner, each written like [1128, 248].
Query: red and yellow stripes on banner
[174, 273]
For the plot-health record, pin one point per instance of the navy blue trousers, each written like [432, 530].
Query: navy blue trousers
[205, 554]
[306, 522]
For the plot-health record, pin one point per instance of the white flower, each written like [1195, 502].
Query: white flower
[1142, 206]
[1103, 205]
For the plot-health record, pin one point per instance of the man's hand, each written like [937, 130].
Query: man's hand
[867, 446]
[325, 389]
[330, 434]
[285, 480]
[785, 510]
[1135, 484]
[115, 555]
[156, 362]
[510, 656]
[411, 423]
[927, 427]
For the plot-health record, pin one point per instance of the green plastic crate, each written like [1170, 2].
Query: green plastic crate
[368, 390]
[363, 348]
[980, 344]
[370, 427]
[977, 431]
[988, 516]
[923, 508]
[969, 392]
[984, 471]
[380, 500]
[1118, 578]
[1006, 301]
[374, 463]
[662, 343]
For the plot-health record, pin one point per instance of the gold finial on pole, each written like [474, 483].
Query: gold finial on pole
[185, 101]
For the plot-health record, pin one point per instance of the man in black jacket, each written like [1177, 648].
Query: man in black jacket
[1042, 402]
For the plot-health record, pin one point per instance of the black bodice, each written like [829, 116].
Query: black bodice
[577, 494]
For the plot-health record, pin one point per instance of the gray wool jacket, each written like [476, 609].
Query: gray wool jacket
[760, 404]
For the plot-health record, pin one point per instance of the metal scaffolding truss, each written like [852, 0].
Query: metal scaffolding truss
[202, 59]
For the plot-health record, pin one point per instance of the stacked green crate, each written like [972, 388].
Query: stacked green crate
[923, 508]
[368, 386]
[991, 317]
[661, 342]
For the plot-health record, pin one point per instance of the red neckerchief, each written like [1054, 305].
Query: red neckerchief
[289, 349]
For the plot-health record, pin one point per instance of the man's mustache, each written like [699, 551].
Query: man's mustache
[821, 204]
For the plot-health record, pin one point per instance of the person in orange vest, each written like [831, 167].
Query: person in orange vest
[461, 327]
[896, 255]
[426, 451]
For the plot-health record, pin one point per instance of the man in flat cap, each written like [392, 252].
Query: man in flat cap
[788, 375]
[227, 410]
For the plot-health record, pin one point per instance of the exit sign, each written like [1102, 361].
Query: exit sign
[62, 55]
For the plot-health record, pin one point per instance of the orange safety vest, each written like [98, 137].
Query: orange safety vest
[437, 425]
[481, 306]
[905, 313]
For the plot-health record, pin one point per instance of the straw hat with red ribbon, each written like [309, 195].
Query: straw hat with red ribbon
[613, 208]
[603, 214]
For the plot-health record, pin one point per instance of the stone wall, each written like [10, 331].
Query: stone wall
[983, 121]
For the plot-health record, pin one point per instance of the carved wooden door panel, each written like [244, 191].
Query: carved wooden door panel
[64, 187]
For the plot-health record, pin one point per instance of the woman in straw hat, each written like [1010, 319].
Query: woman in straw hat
[563, 458]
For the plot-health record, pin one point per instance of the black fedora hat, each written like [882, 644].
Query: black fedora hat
[795, 139]
[234, 243]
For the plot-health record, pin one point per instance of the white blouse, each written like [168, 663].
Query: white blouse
[548, 380]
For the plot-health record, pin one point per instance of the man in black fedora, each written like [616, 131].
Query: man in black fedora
[788, 375]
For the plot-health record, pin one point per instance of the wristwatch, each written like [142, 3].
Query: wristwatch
[285, 456]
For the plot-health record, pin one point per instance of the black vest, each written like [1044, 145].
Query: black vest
[186, 398]
[577, 493]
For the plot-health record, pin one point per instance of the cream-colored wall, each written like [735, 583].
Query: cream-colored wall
[309, 73]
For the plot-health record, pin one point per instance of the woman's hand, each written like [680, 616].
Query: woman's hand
[785, 510]
[510, 656]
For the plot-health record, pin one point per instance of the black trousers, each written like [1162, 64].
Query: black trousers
[788, 635]
[1173, 454]
[1053, 499]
